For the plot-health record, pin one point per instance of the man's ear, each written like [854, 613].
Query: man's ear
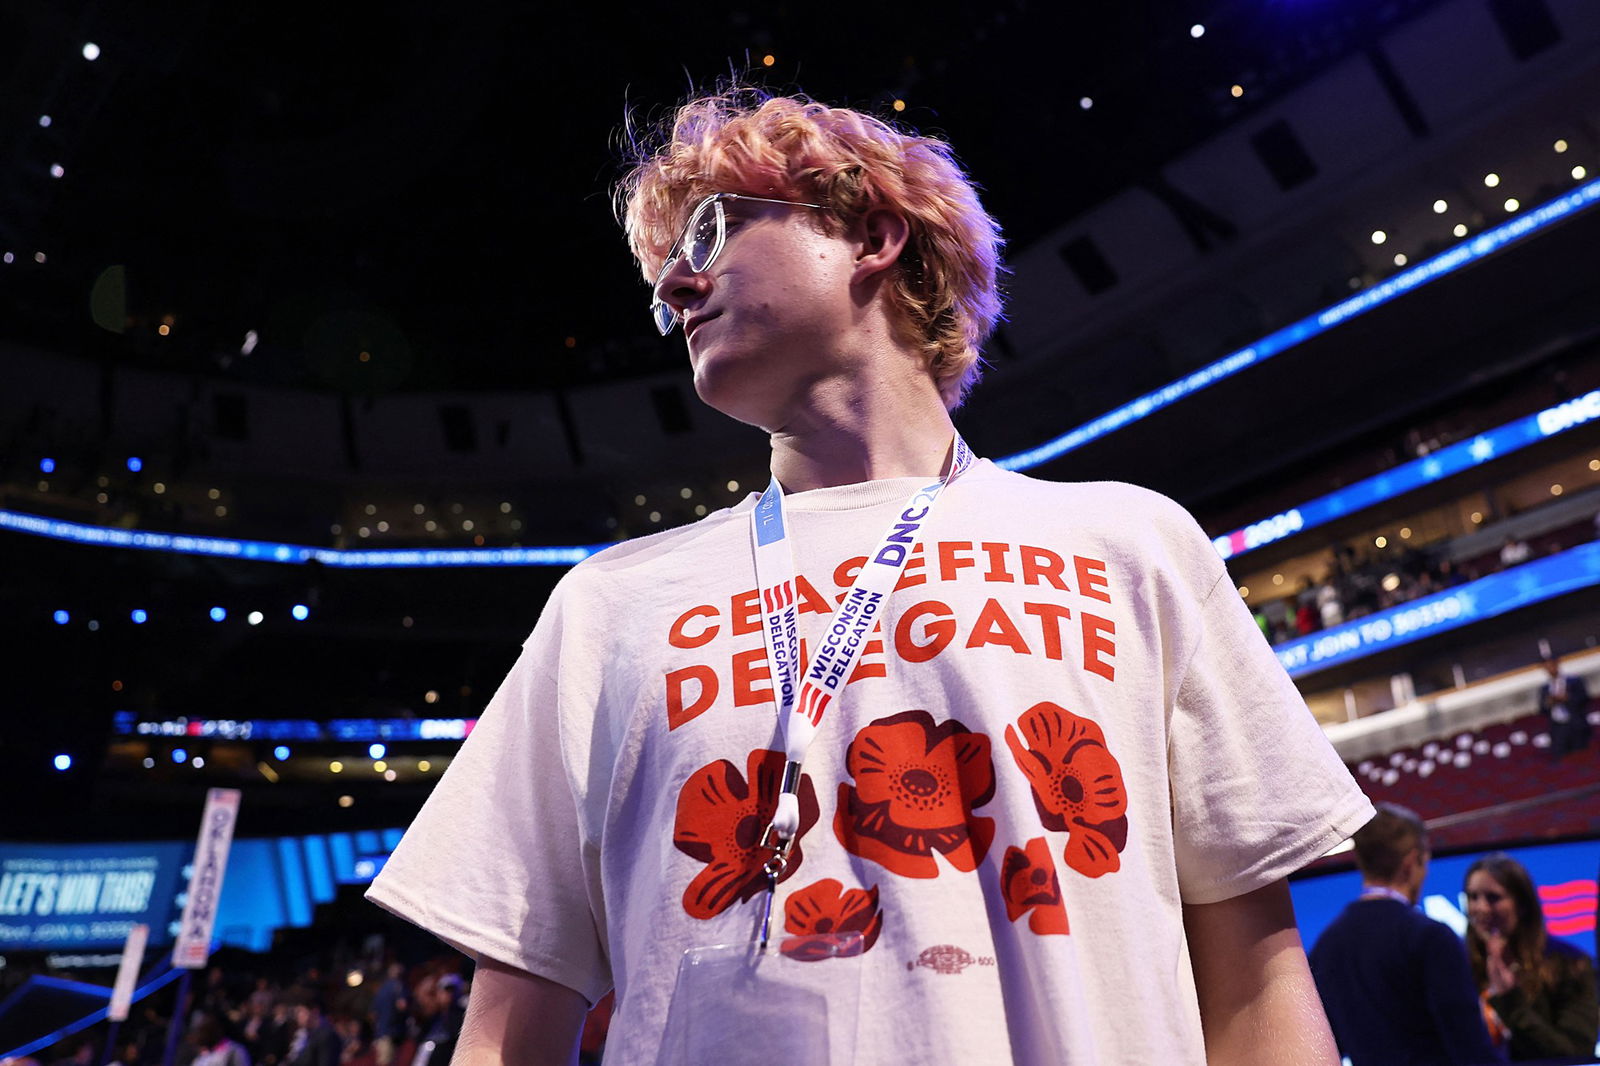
[880, 236]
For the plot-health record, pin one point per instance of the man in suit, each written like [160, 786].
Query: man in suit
[1564, 699]
[1396, 984]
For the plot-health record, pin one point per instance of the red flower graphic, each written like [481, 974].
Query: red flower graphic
[1028, 882]
[1077, 785]
[916, 784]
[720, 821]
[826, 910]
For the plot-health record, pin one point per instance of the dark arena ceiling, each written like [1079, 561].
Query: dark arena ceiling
[440, 173]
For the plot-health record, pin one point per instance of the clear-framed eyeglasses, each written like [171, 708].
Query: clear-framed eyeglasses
[698, 245]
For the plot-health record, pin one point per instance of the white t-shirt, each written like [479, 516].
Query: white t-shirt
[1067, 726]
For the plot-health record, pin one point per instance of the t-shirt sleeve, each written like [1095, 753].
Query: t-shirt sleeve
[496, 864]
[1257, 789]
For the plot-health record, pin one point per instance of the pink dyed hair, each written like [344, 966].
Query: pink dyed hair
[945, 290]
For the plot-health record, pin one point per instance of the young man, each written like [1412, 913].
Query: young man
[1396, 984]
[1056, 777]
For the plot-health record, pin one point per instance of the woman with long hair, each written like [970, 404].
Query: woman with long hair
[1538, 991]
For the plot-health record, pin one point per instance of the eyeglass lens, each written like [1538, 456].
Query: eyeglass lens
[702, 239]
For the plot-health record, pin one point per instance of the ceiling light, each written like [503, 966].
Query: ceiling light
[1560, 146]
[1085, 102]
[1237, 91]
[1460, 229]
[1512, 204]
[1491, 179]
[1197, 31]
[1578, 173]
[1378, 236]
[1440, 207]
[91, 51]
[1400, 259]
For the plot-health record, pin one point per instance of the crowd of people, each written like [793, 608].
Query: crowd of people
[373, 1015]
[1399, 987]
[1358, 584]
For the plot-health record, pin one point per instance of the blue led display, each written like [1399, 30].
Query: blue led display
[271, 552]
[354, 730]
[1443, 463]
[1533, 582]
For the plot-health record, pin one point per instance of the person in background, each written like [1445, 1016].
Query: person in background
[448, 1004]
[1395, 983]
[1329, 605]
[1564, 700]
[1538, 991]
[389, 1014]
[215, 1047]
[314, 1042]
[1514, 552]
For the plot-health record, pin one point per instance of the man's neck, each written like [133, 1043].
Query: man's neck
[842, 436]
[1373, 889]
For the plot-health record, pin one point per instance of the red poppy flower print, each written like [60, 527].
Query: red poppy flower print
[1077, 785]
[720, 821]
[916, 784]
[824, 911]
[1029, 885]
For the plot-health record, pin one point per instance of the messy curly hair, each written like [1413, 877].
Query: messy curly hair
[945, 291]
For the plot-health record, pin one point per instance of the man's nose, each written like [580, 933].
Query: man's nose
[680, 288]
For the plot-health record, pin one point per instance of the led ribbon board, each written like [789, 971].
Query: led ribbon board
[398, 730]
[1443, 463]
[1486, 243]
[272, 552]
[1533, 582]
[1280, 341]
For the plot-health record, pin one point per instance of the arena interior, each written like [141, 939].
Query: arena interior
[322, 358]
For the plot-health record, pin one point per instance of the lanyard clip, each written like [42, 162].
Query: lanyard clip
[780, 846]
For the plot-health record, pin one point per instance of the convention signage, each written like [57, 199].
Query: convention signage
[128, 973]
[205, 882]
[84, 896]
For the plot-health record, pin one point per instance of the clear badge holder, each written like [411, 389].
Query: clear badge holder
[792, 1003]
